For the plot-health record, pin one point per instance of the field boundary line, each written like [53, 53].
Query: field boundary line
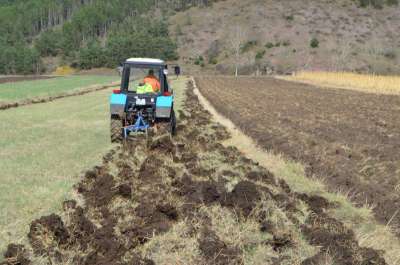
[244, 143]
[39, 100]
[382, 236]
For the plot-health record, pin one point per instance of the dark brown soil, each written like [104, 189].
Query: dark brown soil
[215, 250]
[351, 139]
[13, 79]
[145, 187]
[17, 255]
[334, 237]
[47, 227]
[244, 197]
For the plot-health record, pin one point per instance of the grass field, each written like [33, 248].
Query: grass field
[367, 83]
[42, 149]
[18, 91]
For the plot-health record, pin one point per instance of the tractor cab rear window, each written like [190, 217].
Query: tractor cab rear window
[135, 78]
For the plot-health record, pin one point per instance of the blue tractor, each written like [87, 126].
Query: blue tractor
[135, 109]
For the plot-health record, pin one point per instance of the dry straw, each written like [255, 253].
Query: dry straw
[363, 82]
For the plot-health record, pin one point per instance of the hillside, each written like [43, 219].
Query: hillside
[283, 36]
[262, 36]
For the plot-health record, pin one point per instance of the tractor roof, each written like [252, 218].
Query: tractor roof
[146, 61]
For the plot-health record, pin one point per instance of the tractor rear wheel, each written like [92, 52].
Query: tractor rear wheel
[172, 124]
[116, 130]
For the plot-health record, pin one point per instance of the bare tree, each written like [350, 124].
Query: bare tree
[236, 39]
[341, 57]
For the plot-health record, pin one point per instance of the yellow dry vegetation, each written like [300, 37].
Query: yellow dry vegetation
[346, 80]
[64, 70]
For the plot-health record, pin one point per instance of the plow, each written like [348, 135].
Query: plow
[144, 102]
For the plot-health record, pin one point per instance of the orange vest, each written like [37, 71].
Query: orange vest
[151, 80]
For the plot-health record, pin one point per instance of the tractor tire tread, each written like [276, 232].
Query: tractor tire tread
[172, 126]
[116, 130]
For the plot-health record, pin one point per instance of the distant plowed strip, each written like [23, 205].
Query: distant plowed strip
[83, 91]
[351, 139]
[9, 79]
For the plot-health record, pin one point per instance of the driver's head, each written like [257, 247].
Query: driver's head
[151, 72]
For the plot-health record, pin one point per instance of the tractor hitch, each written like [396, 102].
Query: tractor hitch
[139, 126]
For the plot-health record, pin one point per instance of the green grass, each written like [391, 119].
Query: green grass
[43, 150]
[18, 91]
[178, 85]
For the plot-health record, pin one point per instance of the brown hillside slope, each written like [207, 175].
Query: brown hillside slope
[350, 37]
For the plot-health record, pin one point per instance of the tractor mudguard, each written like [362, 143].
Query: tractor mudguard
[164, 106]
[117, 104]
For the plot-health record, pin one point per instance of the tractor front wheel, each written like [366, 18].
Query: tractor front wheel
[116, 130]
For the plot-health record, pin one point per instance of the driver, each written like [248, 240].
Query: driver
[153, 81]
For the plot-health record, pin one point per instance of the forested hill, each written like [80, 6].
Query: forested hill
[85, 33]
[256, 36]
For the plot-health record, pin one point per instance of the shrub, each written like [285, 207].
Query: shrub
[188, 21]
[213, 60]
[199, 60]
[390, 54]
[92, 56]
[213, 52]
[49, 43]
[286, 43]
[248, 45]
[378, 4]
[260, 54]
[269, 45]
[64, 70]
[314, 43]
[178, 30]
[289, 18]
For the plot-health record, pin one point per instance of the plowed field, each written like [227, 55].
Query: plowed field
[350, 139]
[188, 200]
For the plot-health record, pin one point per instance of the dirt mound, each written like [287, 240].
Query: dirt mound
[125, 191]
[334, 237]
[47, 233]
[262, 176]
[16, 254]
[216, 251]
[243, 198]
[187, 200]
[102, 191]
[163, 144]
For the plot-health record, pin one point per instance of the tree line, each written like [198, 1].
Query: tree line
[84, 33]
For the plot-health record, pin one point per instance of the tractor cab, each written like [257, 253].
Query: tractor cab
[143, 100]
